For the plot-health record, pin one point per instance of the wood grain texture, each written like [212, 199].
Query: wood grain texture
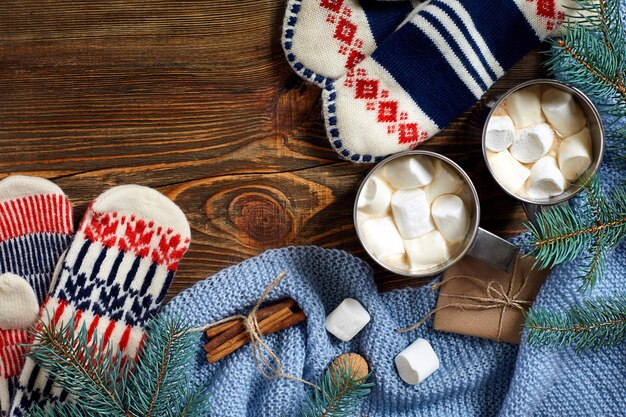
[195, 99]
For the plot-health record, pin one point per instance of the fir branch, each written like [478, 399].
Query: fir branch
[562, 235]
[592, 54]
[106, 384]
[340, 392]
[599, 323]
[93, 374]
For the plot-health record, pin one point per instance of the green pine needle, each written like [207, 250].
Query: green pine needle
[595, 324]
[591, 54]
[561, 235]
[104, 384]
[339, 395]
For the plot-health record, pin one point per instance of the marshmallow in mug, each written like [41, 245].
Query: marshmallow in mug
[423, 222]
[551, 145]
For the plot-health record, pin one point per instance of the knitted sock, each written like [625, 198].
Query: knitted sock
[429, 71]
[322, 39]
[35, 229]
[113, 278]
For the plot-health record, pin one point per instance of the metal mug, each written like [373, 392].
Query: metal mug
[532, 207]
[478, 243]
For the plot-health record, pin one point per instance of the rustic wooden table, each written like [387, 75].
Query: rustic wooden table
[196, 99]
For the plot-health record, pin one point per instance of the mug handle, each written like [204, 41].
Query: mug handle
[493, 250]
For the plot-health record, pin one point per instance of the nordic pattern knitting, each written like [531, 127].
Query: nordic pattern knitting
[429, 71]
[35, 229]
[322, 39]
[112, 280]
[472, 380]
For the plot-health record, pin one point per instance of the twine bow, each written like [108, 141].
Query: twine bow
[495, 297]
[270, 368]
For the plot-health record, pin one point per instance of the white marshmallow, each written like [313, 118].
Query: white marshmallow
[427, 251]
[417, 362]
[411, 212]
[445, 181]
[546, 180]
[500, 133]
[532, 143]
[507, 170]
[375, 197]
[451, 217]
[381, 237]
[409, 172]
[562, 111]
[524, 107]
[347, 320]
[575, 154]
[398, 262]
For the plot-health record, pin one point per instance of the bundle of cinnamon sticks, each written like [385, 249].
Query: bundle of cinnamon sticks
[227, 337]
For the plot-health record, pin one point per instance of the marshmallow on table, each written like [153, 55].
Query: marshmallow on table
[575, 154]
[375, 197]
[409, 172]
[411, 212]
[445, 181]
[546, 180]
[426, 251]
[451, 217]
[507, 170]
[417, 362]
[500, 133]
[381, 237]
[532, 143]
[524, 107]
[348, 319]
[562, 111]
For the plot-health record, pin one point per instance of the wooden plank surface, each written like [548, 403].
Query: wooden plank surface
[195, 98]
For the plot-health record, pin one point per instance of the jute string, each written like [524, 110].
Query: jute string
[496, 297]
[270, 368]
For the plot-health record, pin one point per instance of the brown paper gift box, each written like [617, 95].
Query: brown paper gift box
[476, 299]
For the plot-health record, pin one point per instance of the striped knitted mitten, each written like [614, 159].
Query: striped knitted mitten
[113, 278]
[322, 39]
[429, 71]
[35, 229]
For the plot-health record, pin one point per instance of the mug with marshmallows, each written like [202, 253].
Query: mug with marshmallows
[540, 140]
[417, 214]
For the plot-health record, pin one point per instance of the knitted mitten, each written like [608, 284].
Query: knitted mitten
[35, 229]
[113, 278]
[429, 71]
[322, 39]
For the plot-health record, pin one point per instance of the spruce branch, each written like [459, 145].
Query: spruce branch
[594, 324]
[562, 235]
[340, 392]
[591, 55]
[93, 374]
[103, 383]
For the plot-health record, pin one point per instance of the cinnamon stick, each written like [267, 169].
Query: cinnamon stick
[273, 324]
[244, 336]
[235, 327]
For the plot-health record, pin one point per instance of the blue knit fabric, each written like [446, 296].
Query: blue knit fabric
[474, 373]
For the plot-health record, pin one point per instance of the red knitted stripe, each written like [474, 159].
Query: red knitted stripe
[11, 351]
[131, 234]
[13, 337]
[44, 213]
[108, 331]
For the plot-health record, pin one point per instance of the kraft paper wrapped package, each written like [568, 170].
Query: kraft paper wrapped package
[476, 299]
